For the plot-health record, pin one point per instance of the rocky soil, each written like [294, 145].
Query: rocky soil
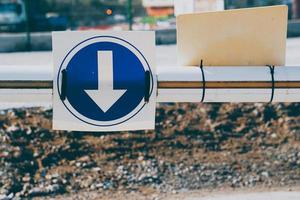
[194, 146]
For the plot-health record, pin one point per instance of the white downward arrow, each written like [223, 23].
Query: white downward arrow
[105, 96]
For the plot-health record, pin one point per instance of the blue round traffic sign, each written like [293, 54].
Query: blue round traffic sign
[105, 83]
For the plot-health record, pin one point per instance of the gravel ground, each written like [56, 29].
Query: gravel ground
[195, 146]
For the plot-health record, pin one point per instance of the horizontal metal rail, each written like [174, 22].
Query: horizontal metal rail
[26, 84]
[174, 84]
[229, 84]
[17, 84]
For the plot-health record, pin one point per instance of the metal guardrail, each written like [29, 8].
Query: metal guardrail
[17, 84]
[180, 84]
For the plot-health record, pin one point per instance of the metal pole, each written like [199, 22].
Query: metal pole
[28, 36]
[296, 8]
[225, 4]
[45, 84]
[250, 3]
[176, 84]
[129, 13]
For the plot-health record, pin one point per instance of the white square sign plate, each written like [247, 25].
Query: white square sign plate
[104, 81]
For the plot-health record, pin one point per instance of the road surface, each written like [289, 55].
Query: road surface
[251, 196]
[225, 194]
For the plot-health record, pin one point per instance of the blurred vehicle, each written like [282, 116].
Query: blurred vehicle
[169, 23]
[12, 15]
[48, 22]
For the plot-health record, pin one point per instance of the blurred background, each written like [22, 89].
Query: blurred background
[25, 21]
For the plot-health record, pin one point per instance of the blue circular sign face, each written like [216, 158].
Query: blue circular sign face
[105, 81]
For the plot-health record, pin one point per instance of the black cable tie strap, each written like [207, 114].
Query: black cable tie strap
[63, 90]
[272, 71]
[203, 82]
[147, 86]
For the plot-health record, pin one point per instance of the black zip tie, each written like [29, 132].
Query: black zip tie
[147, 86]
[272, 71]
[203, 82]
[63, 92]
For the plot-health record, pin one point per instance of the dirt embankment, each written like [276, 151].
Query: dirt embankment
[194, 146]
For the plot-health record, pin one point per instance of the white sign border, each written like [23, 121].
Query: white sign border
[78, 47]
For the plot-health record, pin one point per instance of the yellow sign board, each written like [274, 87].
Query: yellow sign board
[241, 37]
